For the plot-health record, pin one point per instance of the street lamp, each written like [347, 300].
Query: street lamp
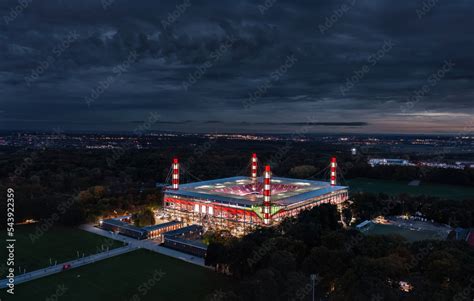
[313, 280]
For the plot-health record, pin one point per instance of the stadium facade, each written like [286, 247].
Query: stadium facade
[239, 204]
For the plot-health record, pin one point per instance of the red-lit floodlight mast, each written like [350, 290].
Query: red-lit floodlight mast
[333, 171]
[175, 178]
[254, 167]
[267, 195]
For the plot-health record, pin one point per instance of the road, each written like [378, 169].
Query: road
[146, 244]
[74, 264]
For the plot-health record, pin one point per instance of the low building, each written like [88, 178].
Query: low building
[186, 240]
[156, 231]
[118, 226]
[122, 225]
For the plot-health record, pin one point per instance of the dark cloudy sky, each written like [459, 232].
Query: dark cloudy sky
[344, 66]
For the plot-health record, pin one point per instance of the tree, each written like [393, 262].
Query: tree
[143, 218]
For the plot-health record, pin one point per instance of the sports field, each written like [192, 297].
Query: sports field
[410, 235]
[139, 275]
[58, 243]
[397, 187]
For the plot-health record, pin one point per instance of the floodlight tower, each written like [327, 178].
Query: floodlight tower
[333, 171]
[175, 178]
[254, 171]
[267, 191]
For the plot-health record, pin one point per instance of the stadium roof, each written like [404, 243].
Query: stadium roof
[239, 190]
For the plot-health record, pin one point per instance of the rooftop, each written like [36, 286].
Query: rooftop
[179, 235]
[118, 223]
[241, 191]
[161, 226]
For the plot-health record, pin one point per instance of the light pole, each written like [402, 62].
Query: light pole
[313, 280]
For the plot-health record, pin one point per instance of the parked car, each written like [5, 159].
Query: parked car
[66, 266]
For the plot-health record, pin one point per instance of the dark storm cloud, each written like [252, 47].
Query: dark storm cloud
[108, 62]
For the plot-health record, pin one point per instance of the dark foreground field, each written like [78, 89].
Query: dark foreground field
[58, 243]
[139, 275]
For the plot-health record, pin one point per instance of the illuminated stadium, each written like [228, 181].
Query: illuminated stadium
[239, 204]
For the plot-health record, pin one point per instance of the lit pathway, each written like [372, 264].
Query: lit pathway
[146, 244]
[74, 264]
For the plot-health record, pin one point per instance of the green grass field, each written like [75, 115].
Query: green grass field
[124, 278]
[410, 235]
[397, 187]
[57, 243]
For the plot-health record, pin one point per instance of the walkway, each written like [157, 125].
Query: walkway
[74, 264]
